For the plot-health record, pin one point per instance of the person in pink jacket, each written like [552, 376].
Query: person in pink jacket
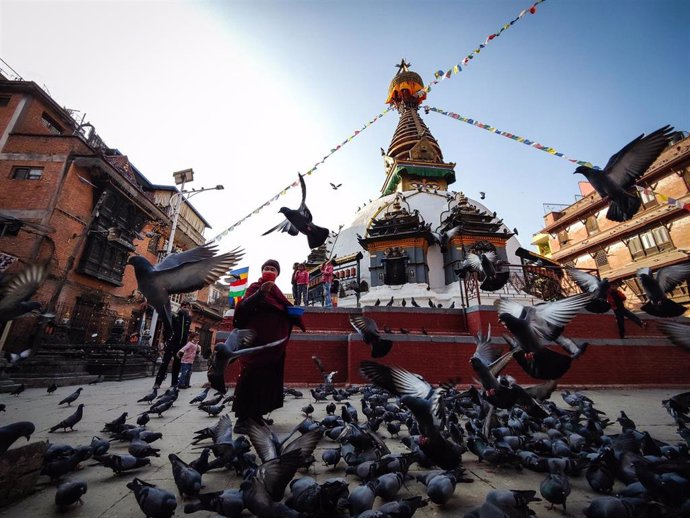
[327, 279]
[302, 281]
[187, 355]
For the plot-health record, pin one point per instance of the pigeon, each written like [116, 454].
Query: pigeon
[482, 195]
[200, 396]
[3, 407]
[486, 265]
[18, 390]
[378, 302]
[226, 503]
[153, 501]
[656, 286]
[414, 302]
[14, 358]
[143, 419]
[238, 343]
[452, 305]
[141, 449]
[70, 421]
[149, 397]
[265, 489]
[69, 493]
[11, 432]
[117, 424]
[121, 463]
[677, 331]
[534, 325]
[180, 273]
[72, 397]
[269, 447]
[390, 302]
[366, 327]
[431, 304]
[300, 221]
[403, 302]
[52, 388]
[335, 187]
[187, 479]
[98, 379]
[99, 446]
[326, 375]
[546, 364]
[623, 170]
[555, 488]
[17, 290]
[590, 284]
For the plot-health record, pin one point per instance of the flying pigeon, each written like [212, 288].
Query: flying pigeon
[366, 327]
[534, 325]
[13, 358]
[238, 343]
[623, 169]
[677, 331]
[486, 265]
[482, 195]
[17, 290]
[180, 273]
[300, 220]
[656, 286]
[335, 187]
[590, 284]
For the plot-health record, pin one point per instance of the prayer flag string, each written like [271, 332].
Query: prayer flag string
[440, 75]
[512, 136]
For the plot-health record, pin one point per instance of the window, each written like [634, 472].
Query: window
[650, 242]
[601, 259]
[27, 173]
[4, 100]
[51, 124]
[153, 243]
[104, 259]
[10, 228]
[648, 199]
[591, 225]
[563, 237]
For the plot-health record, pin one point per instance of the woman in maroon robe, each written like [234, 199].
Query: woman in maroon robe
[260, 383]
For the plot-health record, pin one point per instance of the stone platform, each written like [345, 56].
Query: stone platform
[107, 496]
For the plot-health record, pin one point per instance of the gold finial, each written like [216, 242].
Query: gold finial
[403, 66]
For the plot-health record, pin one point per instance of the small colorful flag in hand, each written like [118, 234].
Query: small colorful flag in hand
[239, 287]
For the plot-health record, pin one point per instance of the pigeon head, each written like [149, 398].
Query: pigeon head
[140, 263]
[25, 429]
[283, 210]
[583, 170]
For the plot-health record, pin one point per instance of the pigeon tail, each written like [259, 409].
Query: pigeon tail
[496, 282]
[624, 208]
[380, 348]
[316, 236]
[666, 309]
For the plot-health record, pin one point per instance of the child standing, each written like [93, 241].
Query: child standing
[187, 355]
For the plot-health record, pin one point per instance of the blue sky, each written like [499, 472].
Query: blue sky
[249, 93]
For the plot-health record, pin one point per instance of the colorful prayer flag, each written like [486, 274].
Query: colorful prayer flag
[239, 287]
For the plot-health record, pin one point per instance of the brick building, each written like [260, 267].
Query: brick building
[71, 201]
[659, 235]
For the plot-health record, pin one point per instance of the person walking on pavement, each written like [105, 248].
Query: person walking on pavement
[180, 332]
[187, 355]
[327, 279]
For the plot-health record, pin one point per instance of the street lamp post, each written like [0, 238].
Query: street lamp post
[181, 177]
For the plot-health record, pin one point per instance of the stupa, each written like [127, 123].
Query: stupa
[414, 235]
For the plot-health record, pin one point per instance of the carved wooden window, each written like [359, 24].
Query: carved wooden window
[104, 259]
[591, 225]
[563, 238]
[650, 242]
[648, 199]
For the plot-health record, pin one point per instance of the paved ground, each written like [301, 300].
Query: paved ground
[107, 495]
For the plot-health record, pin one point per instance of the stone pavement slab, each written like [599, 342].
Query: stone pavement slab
[108, 497]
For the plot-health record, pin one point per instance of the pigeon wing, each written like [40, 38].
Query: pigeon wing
[364, 326]
[22, 286]
[508, 306]
[205, 251]
[671, 276]
[474, 262]
[284, 226]
[395, 379]
[261, 438]
[587, 283]
[677, 332]
[276, 474]
[560, 312]
[192, 276]
[631, 162]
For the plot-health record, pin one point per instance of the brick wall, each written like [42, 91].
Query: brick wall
[644, 358]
